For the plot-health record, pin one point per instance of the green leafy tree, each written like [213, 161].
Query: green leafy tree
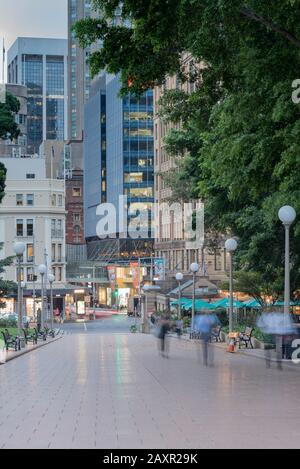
[8, 109]
[7, 288]
[238, 146]
[8, 129]
[254, 285]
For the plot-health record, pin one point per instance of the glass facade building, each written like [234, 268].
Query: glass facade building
[138, 154]
[41, 65]
[118, 162]
[32, 73]
[55, 83]
[79, 72]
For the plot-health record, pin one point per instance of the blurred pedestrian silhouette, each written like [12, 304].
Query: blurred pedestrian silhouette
[39, 319]
[179, 327]
[164, 326]
[204, 324]
[277, 325]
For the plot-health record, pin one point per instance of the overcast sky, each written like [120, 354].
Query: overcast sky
[32, 18]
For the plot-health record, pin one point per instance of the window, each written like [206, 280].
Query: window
[19, 200]
[29, 227]
[76, 217]
[29, 252]
[53, 200]
[59, 272]
[60, 200]
[76, 192]
[30, 200]
[53, 251]
[20, 228]
[30, 274]
[59, 257]
[30, 176]
[21, 273]
[133, 177]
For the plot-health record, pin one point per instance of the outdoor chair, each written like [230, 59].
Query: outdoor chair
[216, 334]
[245, 337]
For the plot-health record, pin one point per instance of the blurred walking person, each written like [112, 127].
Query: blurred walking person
[164, 326]
[204, 324]
[278, 326]
[179, 328]
[39, 319]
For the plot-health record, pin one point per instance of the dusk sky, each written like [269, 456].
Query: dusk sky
[32, 18]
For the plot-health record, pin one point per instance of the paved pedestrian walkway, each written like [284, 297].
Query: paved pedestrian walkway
[115, 391]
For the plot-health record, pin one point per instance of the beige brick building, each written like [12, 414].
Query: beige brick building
[170, 240]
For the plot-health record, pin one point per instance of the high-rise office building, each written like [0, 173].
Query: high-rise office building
[41, 66]
[79, 76]
[118, 161]
[78, 70]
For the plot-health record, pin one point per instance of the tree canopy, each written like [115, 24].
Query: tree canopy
[7, 287]
[8, 109]
[239, 135]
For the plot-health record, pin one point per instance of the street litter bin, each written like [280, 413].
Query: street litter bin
[233, 341]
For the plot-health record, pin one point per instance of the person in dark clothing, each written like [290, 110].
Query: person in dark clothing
[164, 328]
[39, 319]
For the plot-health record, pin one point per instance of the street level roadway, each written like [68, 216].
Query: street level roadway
[102, 387]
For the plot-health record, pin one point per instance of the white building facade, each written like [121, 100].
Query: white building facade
[33, 212]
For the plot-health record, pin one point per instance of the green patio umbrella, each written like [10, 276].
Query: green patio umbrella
[292, 303]
[252, 304]
[199, 304]
[183, 302]
[225, 303]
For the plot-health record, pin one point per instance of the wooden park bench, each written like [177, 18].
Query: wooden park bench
[30, 336]
[246, 337]
[11, 341]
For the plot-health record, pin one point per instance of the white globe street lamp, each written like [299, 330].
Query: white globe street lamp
[51, 278]
[42, 269]
[179, 278]
[194, 269]
[19, 249]
[231, 246]
[287, 215]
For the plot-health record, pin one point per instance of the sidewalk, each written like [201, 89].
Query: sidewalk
[11, 355]
[255, 353]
